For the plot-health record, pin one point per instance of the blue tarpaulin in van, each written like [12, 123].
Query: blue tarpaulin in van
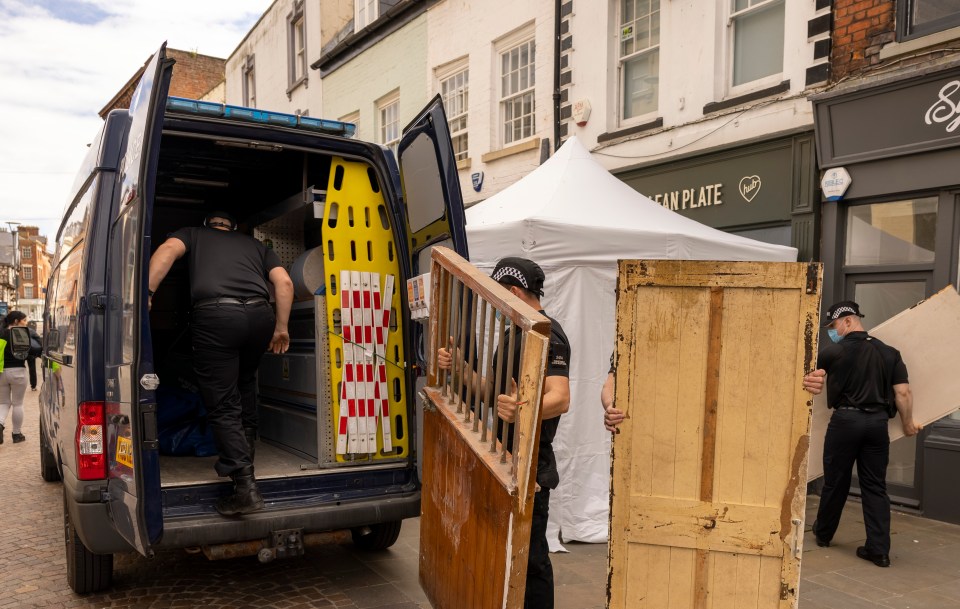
[182, 423]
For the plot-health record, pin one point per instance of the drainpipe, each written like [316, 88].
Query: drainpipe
[556, 75]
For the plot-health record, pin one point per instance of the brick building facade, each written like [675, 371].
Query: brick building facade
[195, 75]
[34, 271]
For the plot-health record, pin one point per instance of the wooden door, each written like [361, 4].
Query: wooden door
[709, 468]
[477, 493]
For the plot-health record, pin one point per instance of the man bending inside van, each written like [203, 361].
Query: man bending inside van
[232, 325]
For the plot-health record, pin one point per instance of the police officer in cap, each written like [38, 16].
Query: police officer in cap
[866, 384]
[232, 324]
[524, 278]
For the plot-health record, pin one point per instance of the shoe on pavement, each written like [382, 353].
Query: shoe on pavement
[881, 560]
[18, 437]
[1, 433]
[823, 543]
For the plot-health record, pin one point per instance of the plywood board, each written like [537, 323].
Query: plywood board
[707, 493]
[926, 336]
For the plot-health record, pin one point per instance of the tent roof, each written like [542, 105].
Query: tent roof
[572, 210]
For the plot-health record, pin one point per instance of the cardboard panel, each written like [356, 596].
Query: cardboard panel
[926, 335]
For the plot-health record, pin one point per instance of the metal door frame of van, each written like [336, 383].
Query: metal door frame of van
[137, 515]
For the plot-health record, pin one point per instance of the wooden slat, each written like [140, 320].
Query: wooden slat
[707, 274]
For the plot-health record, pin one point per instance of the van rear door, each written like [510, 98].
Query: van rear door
[131, 438]
[431, 186]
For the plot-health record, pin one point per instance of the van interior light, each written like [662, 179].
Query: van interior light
[253, 115]
[201, 182]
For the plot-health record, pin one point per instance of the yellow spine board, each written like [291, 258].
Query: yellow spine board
[361, 240]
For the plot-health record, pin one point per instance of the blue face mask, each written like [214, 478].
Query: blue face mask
[834, 335]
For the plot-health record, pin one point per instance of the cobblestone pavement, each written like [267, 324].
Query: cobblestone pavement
[925, 555]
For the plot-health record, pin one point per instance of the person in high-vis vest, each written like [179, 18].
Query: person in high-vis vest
[13, 375]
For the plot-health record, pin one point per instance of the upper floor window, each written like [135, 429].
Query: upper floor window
[517, 85]
[639, 57]
[249, 83]
[757, 39]
[454, 90]
[365, 13]
[27, 272]
[297, 41]
[28, 291]
[917, 18]
[26, 253]
[388, 110]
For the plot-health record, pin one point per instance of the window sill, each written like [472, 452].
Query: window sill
[293, 87]
[896, 49]
[531, 144]
[463, 164]
[613, 135]
[747, 97]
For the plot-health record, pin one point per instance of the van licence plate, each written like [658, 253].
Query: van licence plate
[125, 451]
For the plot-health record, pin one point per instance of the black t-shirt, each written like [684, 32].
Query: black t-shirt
[558, 364]
[861, 372]
[226, 263]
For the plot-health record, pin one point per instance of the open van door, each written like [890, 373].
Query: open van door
[131, 430]
[431, 187]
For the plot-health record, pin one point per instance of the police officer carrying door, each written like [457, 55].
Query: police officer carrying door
[232, 325]
[866, 385]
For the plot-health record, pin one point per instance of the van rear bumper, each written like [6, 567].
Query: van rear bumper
[210, 529]
[90, 517]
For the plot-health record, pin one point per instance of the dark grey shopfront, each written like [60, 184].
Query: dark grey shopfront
[893, 238]
[764, 190]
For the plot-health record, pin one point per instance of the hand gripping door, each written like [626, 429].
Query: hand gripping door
[709, 470]
[131, 438]
[477, 498]
[431, 186]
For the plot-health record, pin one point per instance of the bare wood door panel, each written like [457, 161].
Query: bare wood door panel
[708, 471]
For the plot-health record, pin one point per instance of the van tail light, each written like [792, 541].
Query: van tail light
[91, 460]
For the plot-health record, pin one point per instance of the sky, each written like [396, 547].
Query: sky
[61, 61]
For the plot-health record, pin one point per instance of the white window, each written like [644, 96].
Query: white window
[28, 291]
[639, 38]
[517, 80]
[249, 83]
[297, 51]
[757, 39]
[27, 272]
[454, 90]
[388, 111]
[26, 252]
[365, 13]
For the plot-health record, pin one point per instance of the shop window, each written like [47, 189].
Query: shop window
[917, 18]
[639, 63]
[900, 232]
[757, 28]
[455, 92]
[517, 87]
[297, 45]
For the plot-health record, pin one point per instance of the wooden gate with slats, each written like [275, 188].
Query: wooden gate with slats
[478, 492]
[709, 470]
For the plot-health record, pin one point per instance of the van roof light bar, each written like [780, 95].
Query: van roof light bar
[252, 115]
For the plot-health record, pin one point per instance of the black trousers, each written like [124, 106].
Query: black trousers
[228, 342]
[32, 367]
[539, 594]
[857, 437]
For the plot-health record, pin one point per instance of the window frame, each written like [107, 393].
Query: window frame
[28, 291]
[27, 272]
[622, 60]
[369, 10]
[445, 74]
[296, 20]
[765, 81]
[249, 81]
[26, 253]
[504, 99]
[907, 31]
[392, 99]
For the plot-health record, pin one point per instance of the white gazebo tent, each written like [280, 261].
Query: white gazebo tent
[575, 220]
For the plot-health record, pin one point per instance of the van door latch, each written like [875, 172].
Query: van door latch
[98, 301]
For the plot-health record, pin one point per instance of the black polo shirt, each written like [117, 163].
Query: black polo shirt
[226, 263]
[861, 372]
[558, 364]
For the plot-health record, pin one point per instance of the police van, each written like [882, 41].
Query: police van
[121, 421]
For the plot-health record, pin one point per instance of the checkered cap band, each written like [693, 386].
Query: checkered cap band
[511, 272]
[841, 311]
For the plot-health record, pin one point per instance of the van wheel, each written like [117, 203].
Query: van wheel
[377, 536]
[49, 470]
[86, 572]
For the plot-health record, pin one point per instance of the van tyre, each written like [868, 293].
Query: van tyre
[86, 572]
[49, 469]
[380, 537]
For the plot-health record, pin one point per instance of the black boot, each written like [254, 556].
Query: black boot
[246, 497]
[251, 434]
[1, 434]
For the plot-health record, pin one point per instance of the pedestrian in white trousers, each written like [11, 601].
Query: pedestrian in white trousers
[13, 380]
